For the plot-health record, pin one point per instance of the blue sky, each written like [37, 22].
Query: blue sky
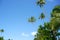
[14, 16]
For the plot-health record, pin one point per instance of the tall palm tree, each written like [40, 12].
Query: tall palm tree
[50, 30]
[55, 21]
[1, 31]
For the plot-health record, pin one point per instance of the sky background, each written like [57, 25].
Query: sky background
[14, 16]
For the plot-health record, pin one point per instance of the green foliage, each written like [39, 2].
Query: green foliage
[56, 9]
[50, 30]
[56, 12]
[1, 38]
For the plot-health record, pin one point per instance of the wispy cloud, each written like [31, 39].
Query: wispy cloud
[30, 34]
[33, 33]
[25, 35]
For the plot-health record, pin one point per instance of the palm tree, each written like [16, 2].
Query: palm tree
[55, 21]
[31, 19]
[1, 31]
[41, 2]
[50, 30]
[42, 16]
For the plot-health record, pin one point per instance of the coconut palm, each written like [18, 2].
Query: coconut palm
[50, 30]
[56, 12]
[1, 31]
[41, 2]
[42, 16]
[31, 19]
[55, 21]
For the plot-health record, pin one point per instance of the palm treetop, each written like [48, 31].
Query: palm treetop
[55, 20]
[42, 16]
[56, 12]
[1, 30]
[41, 2]
[56, 7]
[31, 19]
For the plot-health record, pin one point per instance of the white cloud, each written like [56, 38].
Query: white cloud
[33, 33]
[25, 35]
